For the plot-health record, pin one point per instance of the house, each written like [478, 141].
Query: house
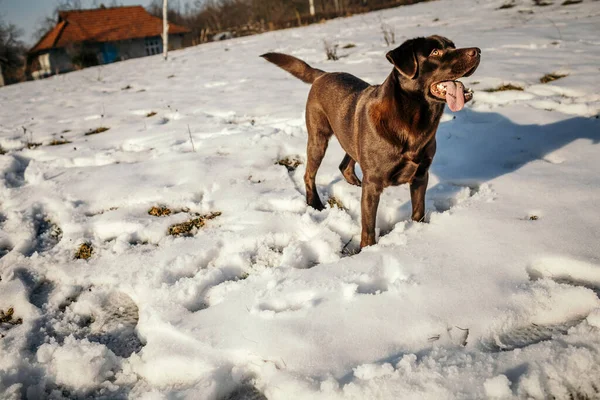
[84, 38]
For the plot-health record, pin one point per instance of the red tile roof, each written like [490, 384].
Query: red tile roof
[103, 25]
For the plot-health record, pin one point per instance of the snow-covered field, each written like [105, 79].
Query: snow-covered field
[496, 296]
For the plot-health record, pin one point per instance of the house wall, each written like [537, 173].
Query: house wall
[135, 48]
[59, 60]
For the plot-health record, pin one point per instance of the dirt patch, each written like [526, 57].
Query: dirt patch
[290, 162]
[504, 88]
[552, 77]
[96, 131]
[159, 211]
[84, 251]
[187, 228]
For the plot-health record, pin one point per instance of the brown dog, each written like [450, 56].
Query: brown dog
[388, 129]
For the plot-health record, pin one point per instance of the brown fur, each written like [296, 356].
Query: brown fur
[389, 129]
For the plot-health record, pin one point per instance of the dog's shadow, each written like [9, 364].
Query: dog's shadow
[477, 147]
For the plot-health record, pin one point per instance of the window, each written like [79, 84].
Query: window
[153, 46]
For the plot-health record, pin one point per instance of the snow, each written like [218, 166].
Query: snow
[496, 296]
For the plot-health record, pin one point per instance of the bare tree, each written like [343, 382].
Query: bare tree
[12, 52]
[48, 22]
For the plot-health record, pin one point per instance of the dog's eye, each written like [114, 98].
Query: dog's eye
[436, 53]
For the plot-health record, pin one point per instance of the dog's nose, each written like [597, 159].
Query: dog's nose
[474, 52]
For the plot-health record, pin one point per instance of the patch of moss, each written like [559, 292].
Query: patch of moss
[551, 77]
[290, 162]
[159, 211]
[96, 131]
[84, 251]
[504, 88]
[33, 145]
[506, 6]
[335, 202]
[58, 142]
[8, 317]
[186, 228]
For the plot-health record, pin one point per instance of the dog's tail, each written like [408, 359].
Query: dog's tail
[294, 66]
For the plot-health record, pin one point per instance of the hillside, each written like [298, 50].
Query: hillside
[496, 296]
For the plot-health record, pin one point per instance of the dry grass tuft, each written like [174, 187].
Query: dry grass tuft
[504, 88]
[570, 2]
[335, 202]
[534, 218]
[159, 211]
[126, 87]
[151, 114]
[84, 252]
[187, 228]
[349, 46]
[331, 50]
[2, 151]
[96, 131]
[290, 162]
[58, 142]
[552, 77]
[8, 317]
[389, 35]
[541, 3]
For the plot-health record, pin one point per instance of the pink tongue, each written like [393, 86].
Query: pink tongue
[455, 96]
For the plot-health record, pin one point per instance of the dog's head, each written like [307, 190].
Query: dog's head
[433, 65]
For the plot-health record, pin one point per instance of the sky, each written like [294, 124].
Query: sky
[27, 13]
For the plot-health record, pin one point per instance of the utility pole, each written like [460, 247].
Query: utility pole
[165, 35]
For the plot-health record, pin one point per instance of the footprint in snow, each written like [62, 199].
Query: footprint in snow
[560, 270]
[96, 314]
[287, 303]
[245, 392]
[14, 177]
[447, 196]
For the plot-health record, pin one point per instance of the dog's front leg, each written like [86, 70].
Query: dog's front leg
[418, 187]
[371, 191]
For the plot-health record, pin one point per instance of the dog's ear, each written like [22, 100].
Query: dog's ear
[404, 59]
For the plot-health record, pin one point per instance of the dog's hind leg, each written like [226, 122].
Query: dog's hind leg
[347, 169]
[319, 133]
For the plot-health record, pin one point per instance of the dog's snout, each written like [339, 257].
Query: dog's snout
[474, 52]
